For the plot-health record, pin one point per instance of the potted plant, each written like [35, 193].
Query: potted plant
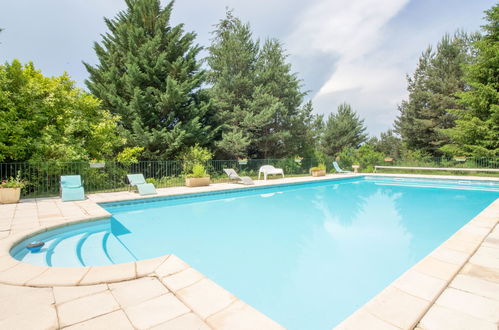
[10, 189]
[94, 163]
[319, 170]
[198, 177]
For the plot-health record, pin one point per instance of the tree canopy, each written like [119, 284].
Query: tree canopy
[257, 98]
[149, 75]
[432, 92]
[343, 129]
[476, 132]
[48, 118]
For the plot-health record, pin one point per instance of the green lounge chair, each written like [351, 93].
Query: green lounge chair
[72, 188]
[143, 187]
[338, 169]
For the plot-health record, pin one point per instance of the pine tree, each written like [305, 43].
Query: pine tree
[477, 126]
[232, 60]
[388, 143]
[343, 129]
[148, 74]
[432, 87]
[256, 96]
[278, 98]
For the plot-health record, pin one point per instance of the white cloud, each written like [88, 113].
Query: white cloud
[367, 71]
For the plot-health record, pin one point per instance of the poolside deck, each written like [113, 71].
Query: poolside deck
[455, 287]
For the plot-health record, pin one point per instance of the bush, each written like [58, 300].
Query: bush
[194, 155]
[319, 167]
[365, 156]
[290, 166]
[11, 182]
[129, 155]
[198, 171]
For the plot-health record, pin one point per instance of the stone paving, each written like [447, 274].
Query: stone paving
[455, 287]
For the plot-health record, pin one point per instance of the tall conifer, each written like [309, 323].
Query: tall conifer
[432, 87]
[148, 74]
[477, 126]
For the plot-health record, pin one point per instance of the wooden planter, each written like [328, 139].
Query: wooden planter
[318, 172]
[197, 182]
[10, 195]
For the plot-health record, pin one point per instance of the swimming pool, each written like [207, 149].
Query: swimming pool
[300, 253]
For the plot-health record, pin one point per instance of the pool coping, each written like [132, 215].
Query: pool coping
[471, 236]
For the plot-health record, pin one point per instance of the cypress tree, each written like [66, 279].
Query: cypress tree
[343, 129]
[148, 74]
[477, 126]
[256, 96]
[432, 87]
[278, 96]
[232, 60]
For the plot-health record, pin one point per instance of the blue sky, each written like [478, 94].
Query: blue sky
[354, 51]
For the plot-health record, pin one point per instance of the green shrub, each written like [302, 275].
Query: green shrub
[290, 166]
[198, 171]
[194, 155]
[129, 155]
[11, 182]
[319, 167]
[365, 156]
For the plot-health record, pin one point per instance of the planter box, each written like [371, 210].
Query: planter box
[197, 182]
[318, 173]
[10, 195]
[97, 165]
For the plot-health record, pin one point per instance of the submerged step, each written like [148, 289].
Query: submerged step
[92, 252]
[62, 253]
[116, 251]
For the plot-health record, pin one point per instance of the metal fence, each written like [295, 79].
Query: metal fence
[43, 177]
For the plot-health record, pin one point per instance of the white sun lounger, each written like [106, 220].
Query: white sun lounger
[234, 176]
[269, 169]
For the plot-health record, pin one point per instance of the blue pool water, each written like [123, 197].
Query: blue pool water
[307, 255]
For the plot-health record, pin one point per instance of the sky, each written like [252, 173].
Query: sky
[353, 51]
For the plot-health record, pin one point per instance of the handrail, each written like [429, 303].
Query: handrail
[437, 168]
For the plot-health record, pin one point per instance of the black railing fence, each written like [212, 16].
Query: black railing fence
[43, 177]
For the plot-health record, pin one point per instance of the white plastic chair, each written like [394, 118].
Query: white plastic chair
[269, 169]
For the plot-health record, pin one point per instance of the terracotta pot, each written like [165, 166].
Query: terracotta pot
[10, 195]
[197, 182]
[318, 172]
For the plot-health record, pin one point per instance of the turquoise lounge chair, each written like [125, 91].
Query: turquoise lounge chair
[72, 188]
[338, 169]
[143, 187]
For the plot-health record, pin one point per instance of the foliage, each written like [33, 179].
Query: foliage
[342, 130]
[432, 87]
[194, 155]
[365, 156]
[477, 126]
[165, 181]
[319, 167]
[49, 119]
[129, 155]
[198, 171]
[388, 144]
[148, 74]
[11, 182]
[289, 166]
[256, 96]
